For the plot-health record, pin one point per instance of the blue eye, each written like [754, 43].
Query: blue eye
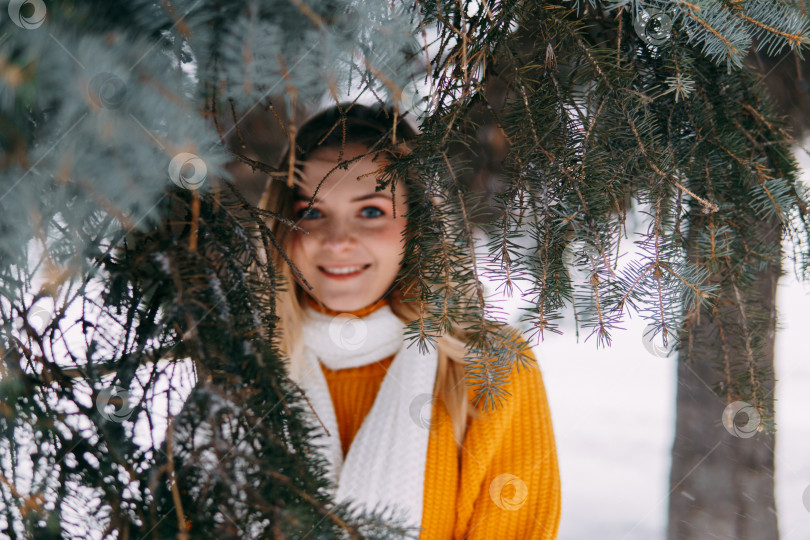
[312, 214]
[375, 209]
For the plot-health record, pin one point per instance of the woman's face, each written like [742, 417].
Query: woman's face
[352, 253]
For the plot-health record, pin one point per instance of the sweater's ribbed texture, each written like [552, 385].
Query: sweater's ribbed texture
[479, 494]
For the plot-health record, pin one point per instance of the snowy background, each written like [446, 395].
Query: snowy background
[614, 416]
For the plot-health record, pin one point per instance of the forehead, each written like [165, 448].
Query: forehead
[359, 177]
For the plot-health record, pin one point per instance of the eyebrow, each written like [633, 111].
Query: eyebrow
[299, 197]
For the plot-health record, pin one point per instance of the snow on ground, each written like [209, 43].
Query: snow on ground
[793, 410]
[613, 414]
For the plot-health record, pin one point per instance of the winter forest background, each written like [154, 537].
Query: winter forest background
[137, 137]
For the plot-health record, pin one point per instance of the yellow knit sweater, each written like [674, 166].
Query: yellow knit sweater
[503, 484]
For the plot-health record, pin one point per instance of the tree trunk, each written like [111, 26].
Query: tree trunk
[722, 485]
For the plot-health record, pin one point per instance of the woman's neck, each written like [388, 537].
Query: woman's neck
[356, 312]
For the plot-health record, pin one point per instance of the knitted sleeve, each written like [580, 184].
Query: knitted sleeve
[510, 482]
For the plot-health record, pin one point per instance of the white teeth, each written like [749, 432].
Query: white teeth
[346, 270]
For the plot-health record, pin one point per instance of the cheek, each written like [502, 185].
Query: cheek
[389, 241]
[297, 248]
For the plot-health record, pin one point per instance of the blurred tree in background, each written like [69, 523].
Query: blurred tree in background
[136, 140]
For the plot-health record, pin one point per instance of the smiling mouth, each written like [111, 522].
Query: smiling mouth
[343, 271]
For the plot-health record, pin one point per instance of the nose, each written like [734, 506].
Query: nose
[338, 236]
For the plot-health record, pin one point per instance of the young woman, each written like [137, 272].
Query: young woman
[455, 471]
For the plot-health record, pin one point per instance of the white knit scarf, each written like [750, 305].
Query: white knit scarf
[385, 464]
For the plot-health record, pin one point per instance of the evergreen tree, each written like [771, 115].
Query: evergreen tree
[126, 247]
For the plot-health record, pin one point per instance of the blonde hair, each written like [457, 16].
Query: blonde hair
[278, 197]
